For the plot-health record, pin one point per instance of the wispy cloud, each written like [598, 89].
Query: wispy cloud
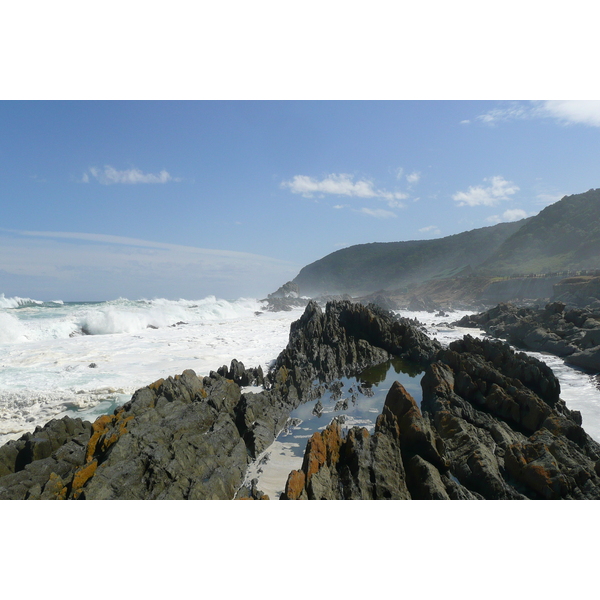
[566, 112]
[341, 184]
[512, 111]
[432, 229]
[109, 175]
[413, 177]
[96, 266]
[378, 213]
[499, 189]
[512, 214]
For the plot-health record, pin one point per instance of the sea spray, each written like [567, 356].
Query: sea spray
[49, 367]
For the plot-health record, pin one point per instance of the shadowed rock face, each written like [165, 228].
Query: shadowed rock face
[570, 332]
[188, 437]
[491, 425]
[482, 433]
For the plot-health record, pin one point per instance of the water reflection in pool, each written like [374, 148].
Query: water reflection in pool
[355, 401]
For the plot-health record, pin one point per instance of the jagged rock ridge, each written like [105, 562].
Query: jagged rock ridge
[188, 437]
[491, 425]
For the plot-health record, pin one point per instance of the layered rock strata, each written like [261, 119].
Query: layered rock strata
[491, 426]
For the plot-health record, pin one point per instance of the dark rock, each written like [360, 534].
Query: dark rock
[285, 298]
[491, 425]
[347, 338]
[569, 332]
[420, 303]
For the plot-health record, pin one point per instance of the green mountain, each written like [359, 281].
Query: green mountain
[565, 235]
[366, 268]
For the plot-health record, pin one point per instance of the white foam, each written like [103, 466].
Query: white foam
[11, 329]
[17, 302]
[45, 374]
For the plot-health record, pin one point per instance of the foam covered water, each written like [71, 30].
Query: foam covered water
[84, 359]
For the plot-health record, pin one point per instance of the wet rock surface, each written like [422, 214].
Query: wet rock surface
[491, 425]
[481, 433]
[190, 437]
[566, 331]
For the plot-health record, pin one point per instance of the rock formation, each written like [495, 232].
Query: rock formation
[570, 332]
[578, 291]
[191, 437]
[491, 425]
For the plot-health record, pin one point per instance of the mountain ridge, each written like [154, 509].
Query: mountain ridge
[563, 236]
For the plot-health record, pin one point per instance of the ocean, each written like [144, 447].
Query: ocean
[83, 359]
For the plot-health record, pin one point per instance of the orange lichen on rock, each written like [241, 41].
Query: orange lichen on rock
[315, 455]
[322, 448]
[55, 488]
[107, 429]
[99, 428]
[295, 485]
[82, 475]
[156, 385]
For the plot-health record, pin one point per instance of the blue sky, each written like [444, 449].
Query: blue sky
[219, 149]
[102, 199]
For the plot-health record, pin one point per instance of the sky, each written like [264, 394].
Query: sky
[229, 190]
[307, 127]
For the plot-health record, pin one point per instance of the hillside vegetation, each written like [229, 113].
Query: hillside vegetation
[368, 267]
[565, 235]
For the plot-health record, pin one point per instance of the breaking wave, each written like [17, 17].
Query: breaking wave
[52, 320]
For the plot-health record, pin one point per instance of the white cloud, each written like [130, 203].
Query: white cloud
[82, 266]
[512, 214]
[110, 175]
[378, 213]
[498, 190]
[341, 185]
[585, 112]
[430, 229]
[414, 177]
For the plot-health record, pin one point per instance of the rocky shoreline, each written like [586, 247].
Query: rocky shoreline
[491, 425]
[569, 332]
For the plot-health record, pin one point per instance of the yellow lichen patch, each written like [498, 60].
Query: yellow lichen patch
[106, 431]
[282, 375]
[99, 428]
[56, 487]
[82, 475]
[120, 428]
[154, 386]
